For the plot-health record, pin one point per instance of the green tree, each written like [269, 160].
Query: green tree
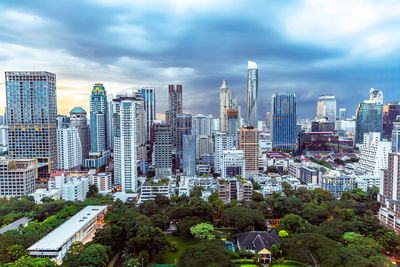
[283, 234]
[151, 239]
[90, 254]
[93, 191]
[287, 189]
[26, 261]
[202, 231]
[160, 220]
[206, 253]
[243, 218]
[196, 191]
[149, 207]
[315, 214]
[294, 224]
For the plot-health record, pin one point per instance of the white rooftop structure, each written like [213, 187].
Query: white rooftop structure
[251, 65]
[56, 244]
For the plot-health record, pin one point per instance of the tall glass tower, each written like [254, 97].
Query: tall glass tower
[31, 117]
[98, 119]
[369, 116]
[326, 107]
[252, 92]
[283, 121]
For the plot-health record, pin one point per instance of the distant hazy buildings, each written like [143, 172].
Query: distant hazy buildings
[252, 93]
[326, 107]
[174, 108]
[396, 135]
[149, 100]
[225, 99]
[79, 121]
[283, 120]
[202, 125]
[342, 114]
[31, 117]
[233, 125]
[369, 116]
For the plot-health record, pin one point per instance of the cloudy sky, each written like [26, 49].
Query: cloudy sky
[307, 47]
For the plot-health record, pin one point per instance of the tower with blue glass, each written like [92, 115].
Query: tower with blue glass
[283, 130]
[31, 118]
[98, 119]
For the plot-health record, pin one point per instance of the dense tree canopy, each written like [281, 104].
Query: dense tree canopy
[206, 253]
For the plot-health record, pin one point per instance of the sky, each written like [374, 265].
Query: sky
[309, 47]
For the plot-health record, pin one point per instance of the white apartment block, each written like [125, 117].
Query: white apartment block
[69, 148]
[202, 125]
[238, 189]
[102, 181]
[374, 155]
[3, 138]
[233, 164]
[222, 142]
[40, 193]
[150, 189]
[75, 189]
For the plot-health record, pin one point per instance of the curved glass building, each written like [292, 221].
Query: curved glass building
[252, 92]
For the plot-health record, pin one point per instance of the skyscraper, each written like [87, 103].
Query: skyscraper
[233, 126]
[149, 100]
[174, 108]
[79, 121]
[202, 125]
[98, 119]
[69, 147]
[248, 142]
[283, 120]
[126, 130]
[183, 127]
[252, 92]
[162, 149]
[326, 107]
[225, 99]
[390, 112]
[369, 116]
[342, 114]
[189, 155]
[222, 142]
[31, 118]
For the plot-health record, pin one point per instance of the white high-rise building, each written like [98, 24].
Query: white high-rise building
[326, 107]
[69, 148]
[233, 163]
[204, 145]
[374, 154]
[3, 138]
[252, 93]
[202, 125]
[222, 142]
[126, 128]
[225, 100]
[75, 189]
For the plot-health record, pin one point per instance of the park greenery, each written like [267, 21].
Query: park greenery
[315, 228]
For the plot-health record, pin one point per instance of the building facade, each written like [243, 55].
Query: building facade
[248, 142]
[326, 107]
[252, 93]
[222, 142]
[149, 100]
[31, 118]
[69, 148]
[233, 126]
[79, 121]
[174, 108]
[283, 121]
[202, 125]
[390, 111]
[17, 177]
[98, 119]
[225, 99]
[233, 164]
[162, 149]
[189, 155]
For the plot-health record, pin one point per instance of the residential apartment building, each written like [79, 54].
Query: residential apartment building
[248, 142]
[17, 177]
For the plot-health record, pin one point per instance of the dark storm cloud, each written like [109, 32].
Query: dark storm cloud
[140, 44]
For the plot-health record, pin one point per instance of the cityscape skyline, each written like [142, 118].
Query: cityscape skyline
[353, 58]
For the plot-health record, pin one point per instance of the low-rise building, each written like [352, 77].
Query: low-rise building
[41, 193]
[75, 189]
[151, 188]
[238, 189]
[79, 228]
[233, 163]
[335, 182]
[103, 182]
[17, 177]
[308, 175]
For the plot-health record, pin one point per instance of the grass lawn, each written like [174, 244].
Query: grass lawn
[181, 245]
[290, 263]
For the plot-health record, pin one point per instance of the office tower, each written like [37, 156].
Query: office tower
[98, 119]
[235, 106]
[204, 145]
[369, 116]
[342, 114]
[126, 131]
[17, 177]
[233, 163]
[162, 149]
[189, 155]
[390, 112]
[69, 148]
[31, 118]
[252, 92]
[216, 125]
[248, 142]
[149, 100]
[183, 127]
[222, 142]
[3, 138]
[268, 120]
[326, 107]
[225, 96]
[389, 193]
[79, 121]
[233, 126]
[110, 137]
[396, 135]
[374, 155]
[202, 125]
[283, 121]
[174, 108]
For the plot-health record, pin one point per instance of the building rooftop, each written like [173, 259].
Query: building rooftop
[56, 238]
[77, 110]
